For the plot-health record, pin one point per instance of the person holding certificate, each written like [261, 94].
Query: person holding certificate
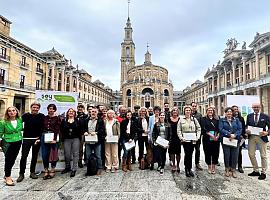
[128, 130]
[211, 142]
[94, 134]
[10, 133]
[161, 129]
[112, 129]
[257, 131]
[188, 131]
[230, 129]
[143, 130]
[71, 132]
[49, 148]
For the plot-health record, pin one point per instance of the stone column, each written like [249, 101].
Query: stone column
[52, 65]
[244, 69]
[233, 72]
[225, 79]
[245, 92]
[63, 79]
[219, 105]
[258, 92]
[77, 84]
[56, 79]
[218, 81]
[257, 65]
[70, 82]
[225, 101]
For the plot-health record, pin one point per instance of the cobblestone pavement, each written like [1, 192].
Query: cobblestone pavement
[138, 184]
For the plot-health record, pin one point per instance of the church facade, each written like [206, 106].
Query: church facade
[146, 84]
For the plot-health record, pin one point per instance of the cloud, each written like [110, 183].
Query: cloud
[186, 37]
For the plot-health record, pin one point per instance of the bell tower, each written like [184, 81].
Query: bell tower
[127, 51]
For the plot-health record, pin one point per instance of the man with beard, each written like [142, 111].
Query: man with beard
[121, 117]
[167, 112]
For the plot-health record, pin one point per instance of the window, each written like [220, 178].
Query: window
[37, 84]
[127, 51]
[247, 72]
[2, 76]
[3, 52]
[22, 81]
[268, 63]
[38, 65]
[23, 61]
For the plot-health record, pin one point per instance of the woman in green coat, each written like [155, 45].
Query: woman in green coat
[10, 133]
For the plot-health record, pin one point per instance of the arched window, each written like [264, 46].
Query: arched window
[166, 93]
[127, 51]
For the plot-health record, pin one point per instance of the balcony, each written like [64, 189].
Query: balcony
[24, 65]
[39, 71]
[17, 86]
[5, 58]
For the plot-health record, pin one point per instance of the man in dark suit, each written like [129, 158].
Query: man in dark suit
[260, 120]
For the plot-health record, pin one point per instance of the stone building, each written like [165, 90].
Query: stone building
[24, 70]
[144, 85]
[242, 72]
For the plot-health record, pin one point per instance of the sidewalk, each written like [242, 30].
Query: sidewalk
[138, 184]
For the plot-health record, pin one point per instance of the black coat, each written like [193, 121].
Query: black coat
[100, 129]
[123, 130]
[156, 131]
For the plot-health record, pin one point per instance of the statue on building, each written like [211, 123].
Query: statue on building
[231, 45]
[244, 46]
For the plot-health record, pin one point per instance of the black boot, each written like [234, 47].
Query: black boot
[80, 164]
[66, 170]
[187, 173]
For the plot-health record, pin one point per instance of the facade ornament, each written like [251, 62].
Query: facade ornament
[231, 45]
[244, 46]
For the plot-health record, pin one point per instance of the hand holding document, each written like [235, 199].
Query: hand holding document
[190, 136]
[91, 138]
[255, 130]
[230, 142]
[162, 142]
[130, 145]
[112, 139]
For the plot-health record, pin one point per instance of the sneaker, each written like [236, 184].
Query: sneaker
[108, 170]
[234, 174]
[33, 176]
[113, 170]
[191, 173]
[161, 172]
[158, 169]
[254, 174]
[262, 176]
[20, 178]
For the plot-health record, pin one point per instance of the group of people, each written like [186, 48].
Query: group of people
[112, 138]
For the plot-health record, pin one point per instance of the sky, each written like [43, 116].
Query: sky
[185, 36]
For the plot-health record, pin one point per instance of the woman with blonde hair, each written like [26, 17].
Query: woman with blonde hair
[188, 131]
[10, 133]
[112, 129]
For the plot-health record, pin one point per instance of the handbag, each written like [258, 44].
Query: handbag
[5, 146]
[54, 157]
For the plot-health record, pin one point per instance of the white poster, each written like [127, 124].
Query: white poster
[63, 101]
[244, 103]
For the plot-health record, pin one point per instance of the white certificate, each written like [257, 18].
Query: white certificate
[112, 139]
[162, 142]
[130, 145]
[255, 130]
[48, 137]
[229, 142]
[91, 138]
[190, 136]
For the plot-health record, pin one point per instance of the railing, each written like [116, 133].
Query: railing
[5, 57]
[17, 85]
[38, 70]
[24, 65]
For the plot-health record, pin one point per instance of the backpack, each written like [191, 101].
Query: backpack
[92, 165]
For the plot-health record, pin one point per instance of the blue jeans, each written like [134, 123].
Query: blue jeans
[45, 151]
[230, 156]
[96, 148]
